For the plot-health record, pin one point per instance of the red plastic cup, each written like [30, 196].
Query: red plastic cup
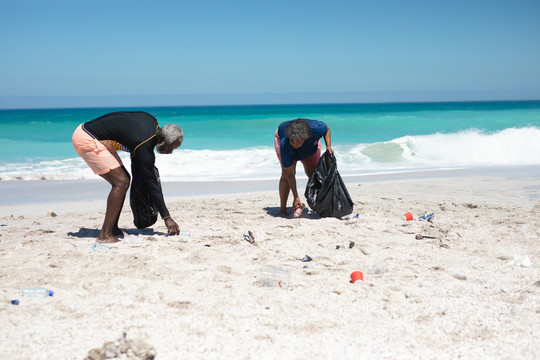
[408, 216]
[357, 275]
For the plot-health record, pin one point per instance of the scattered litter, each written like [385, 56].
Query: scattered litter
[40, 292]
[354, 217]
[407, 216]
[350, 246]
[250, 238]
[306, 258]
[420, 237]
[51, 213]
[132, 239]
[337, 292]
[427, 217]
[521, 260]
[100, 247]
[271, 276]
[357, 276]
[15, 302]
[184, 233]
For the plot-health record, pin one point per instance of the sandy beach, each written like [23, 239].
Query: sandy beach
[464, 285]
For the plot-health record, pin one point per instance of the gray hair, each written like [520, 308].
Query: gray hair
[298, 129]
[171, 133]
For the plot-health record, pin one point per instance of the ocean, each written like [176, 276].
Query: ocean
[236, 142]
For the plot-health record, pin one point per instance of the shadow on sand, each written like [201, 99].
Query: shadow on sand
[93, 233]
[307, 214]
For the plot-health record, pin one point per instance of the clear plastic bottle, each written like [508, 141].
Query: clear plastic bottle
[37, 292]
[100, 247]
[185, 233]
[273, 276]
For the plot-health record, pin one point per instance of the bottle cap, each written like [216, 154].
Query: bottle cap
[50, 293]
[15, 302]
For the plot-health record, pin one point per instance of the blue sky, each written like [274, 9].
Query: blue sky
[209, 50]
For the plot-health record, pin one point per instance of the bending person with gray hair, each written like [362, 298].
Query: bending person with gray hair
[298, 140]
[138, 133]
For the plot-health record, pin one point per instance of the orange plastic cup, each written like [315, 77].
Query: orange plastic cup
[408, 216]
[356, 276]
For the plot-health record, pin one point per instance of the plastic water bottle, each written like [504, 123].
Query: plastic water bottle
[273, 276]
[100, 247]
[37, 292]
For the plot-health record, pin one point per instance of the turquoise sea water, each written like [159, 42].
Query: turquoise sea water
[236, 142]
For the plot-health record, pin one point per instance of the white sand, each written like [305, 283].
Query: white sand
[457, 295]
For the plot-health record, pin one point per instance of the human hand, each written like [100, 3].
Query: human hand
[298, 211]
[172, 226]
[297, 204]
[329, 149]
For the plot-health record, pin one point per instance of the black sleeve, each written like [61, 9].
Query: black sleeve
[146, 158]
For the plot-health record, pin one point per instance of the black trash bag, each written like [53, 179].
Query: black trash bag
[326, 193]
[144, 212]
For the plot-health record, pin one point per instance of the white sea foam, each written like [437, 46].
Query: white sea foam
[473, 147]
[514, 146]
[251, 163]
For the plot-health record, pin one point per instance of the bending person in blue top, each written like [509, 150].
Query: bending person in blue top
[298, 140]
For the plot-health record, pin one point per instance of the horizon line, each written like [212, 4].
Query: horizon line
[21, 102]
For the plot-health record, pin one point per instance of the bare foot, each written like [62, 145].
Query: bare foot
[283, 212]
[107, 240]
[119, 233]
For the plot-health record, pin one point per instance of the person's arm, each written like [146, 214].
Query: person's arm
[147, 159]
[291, 179]
[328, 140]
